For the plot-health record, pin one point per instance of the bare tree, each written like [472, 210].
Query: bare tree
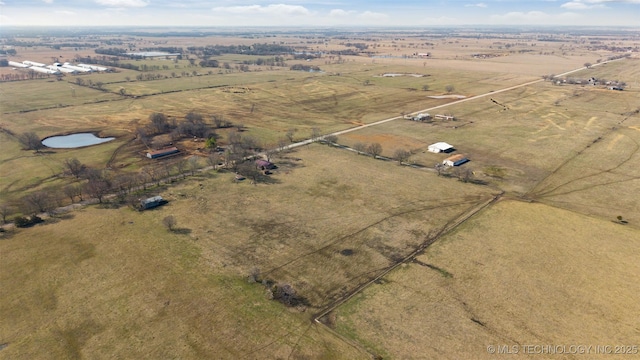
[331, 139]
[5, 211]
[290, 134]
[360, 147]
[169, 222]
[315, 134]
[97, 188]
[449, 89]
[37, 202]
[73, 191]
[587, 65]
[160, 123]
[402, 155]
[213, 160]
[194, 164]
[374, 149]
[31, 141]
[425, 87]
[74, 166]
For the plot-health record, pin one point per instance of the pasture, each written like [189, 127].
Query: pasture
[515, 274]
[107, 281]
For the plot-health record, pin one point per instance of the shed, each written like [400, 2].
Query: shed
[440, 147]
[265, 165]
[151, 202]
[162, 152]
[455, 160]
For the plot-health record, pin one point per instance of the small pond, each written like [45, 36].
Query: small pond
[74, 141]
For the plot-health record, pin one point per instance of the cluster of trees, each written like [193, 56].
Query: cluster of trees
[255, 49]
[193, 125]
[24, 75]
[373, 149]
[303, 67]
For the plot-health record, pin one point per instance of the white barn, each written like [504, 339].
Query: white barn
[33, 63]
[44, 70]
[18, 65]
[440, 147]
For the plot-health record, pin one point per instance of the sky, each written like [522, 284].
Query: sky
[315, 13]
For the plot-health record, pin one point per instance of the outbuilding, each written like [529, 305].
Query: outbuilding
[151, 202]
[455, 160]
[162, 152]
[440, 147]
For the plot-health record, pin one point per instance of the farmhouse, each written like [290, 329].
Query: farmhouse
[265, 165]
[440, 147]
[162, 152]
[455, 160]
[151, 202]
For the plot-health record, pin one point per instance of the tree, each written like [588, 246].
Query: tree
[425, 87]
[31, 141]
[402, 155]
[449, 89]
[160, 123]
[169, 222]
[213, 160]
[5, 211]
[71, 191]
[331, 139]
[359, 147]
[587, 65]
[74, 166]
[37, 202]
[97, 188]
[374, 149]
[290, 133]
[315, 134]
[211, 143]
[194, 164]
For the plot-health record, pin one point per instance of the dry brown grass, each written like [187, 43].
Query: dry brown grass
[517, 274]
[115, 283]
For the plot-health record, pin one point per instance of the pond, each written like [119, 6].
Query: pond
[74, 141]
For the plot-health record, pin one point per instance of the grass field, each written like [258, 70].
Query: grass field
[114, 283]
[549, 263]
[515, 274]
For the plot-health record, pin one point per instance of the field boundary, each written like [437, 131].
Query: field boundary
[451, 225]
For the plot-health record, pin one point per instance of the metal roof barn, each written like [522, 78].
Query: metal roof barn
[440, 147]
[33, 63]
[44, 70]
[18, 65]
[455, 160]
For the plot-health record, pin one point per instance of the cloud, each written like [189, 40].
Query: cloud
[340, 13]
[273, 9]
[480, 5]
[370, 15]
[64, 12]
[48, 1]
[594, 4]
[578, 5]
[123, 3]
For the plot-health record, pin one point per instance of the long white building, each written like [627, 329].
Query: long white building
[61, 69]
[33, 63]
[17, 64]
[44, 70]
[93, 67]
[76, 68]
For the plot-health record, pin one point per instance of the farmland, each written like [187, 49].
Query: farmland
[378, 258]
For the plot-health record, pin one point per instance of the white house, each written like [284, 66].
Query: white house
[440, 147]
